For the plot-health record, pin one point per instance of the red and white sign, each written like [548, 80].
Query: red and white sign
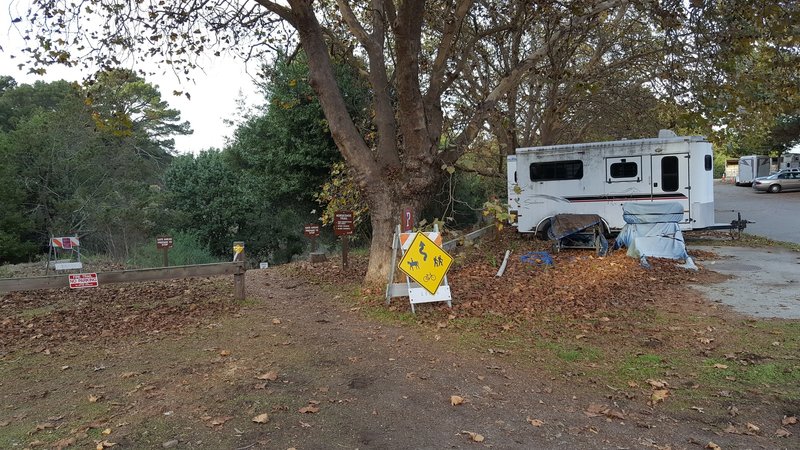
[311, 230]
[343, 224]
[65, 242]
[82, 280]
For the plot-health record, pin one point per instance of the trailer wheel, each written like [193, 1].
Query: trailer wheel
[542, 233]
[775, 188]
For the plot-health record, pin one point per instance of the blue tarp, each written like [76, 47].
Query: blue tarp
[644, 238]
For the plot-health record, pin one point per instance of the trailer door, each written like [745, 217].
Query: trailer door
[670, 179]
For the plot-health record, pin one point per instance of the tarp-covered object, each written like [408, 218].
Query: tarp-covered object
[644, 238]
[579, 231]
[652, 212]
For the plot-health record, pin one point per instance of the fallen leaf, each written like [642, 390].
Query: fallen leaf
[105, 444]
[474, 436]
[790, 420]
[782, 432]
[310, 409]
[658, 396]
[261, 418]
[720, 366]
[63, 443]
[42, 426]
[658, 384]
[713, 446]
[731, 429]
[219, 421]
[276, 321]
[224, 353]
[535, 422]
[128, 374]
[753, 428]
[633, 384]
[272, 375]
[106, 432]
[456, 400]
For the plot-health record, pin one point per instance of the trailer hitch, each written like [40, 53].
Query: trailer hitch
[737, 226]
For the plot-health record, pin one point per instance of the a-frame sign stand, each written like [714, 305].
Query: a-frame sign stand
[411, 289]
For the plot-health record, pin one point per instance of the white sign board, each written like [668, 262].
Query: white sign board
[83, 280]
[263, 265]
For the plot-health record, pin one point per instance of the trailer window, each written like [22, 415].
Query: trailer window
[557, 170]
[709, 163]
[669, 174]
[624, 170]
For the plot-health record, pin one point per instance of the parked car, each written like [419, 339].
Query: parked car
[784, 180]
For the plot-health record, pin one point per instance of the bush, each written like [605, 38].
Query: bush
[186, 250]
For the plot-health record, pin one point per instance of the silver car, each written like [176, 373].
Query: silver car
[785, 180]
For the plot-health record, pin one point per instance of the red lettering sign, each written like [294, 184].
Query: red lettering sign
[82, 280]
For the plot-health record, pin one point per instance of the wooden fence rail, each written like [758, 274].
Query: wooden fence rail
[236, 269]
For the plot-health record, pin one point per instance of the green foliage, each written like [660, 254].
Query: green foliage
[340, 193]
[187, 249]
[498, 211]
[67, 173]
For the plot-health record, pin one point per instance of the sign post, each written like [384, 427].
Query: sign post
[344, 226]
[311, 231]
[238, 278]
[164, 243]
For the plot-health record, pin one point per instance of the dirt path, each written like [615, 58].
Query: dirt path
[387, 386]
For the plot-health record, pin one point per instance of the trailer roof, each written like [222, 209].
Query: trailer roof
[624, 142]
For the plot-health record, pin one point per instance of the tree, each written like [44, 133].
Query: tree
[411, 53]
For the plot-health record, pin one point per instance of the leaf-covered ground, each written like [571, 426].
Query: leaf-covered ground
[588, 353]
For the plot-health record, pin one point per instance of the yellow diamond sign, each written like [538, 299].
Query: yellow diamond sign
[425, 262]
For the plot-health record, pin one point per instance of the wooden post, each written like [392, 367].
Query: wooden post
[166, 257]
[345, 249]
[238, 277]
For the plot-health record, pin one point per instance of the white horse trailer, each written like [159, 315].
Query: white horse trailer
[752, 167]
[600, 177]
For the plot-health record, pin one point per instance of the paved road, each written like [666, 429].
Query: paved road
[777, 216]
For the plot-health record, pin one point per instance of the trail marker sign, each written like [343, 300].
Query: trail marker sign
[343, 224]
[425, 262]
[82, 280]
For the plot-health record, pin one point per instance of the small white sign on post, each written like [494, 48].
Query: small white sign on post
[263, 265]
[83, 280]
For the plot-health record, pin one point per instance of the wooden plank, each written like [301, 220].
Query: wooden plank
[125, 276]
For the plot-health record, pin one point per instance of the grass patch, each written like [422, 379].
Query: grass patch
[570, 353]
[641, 367]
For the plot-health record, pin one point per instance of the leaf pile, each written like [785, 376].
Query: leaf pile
[48, 317]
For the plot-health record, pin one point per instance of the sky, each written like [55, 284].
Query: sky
[214, 92]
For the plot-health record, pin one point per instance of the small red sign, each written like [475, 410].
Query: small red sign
[311, 230]
[343, 224]
[67, 242]
[164, 242]
[407, 220]
[82, 280]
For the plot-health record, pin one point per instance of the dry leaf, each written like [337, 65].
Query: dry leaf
[658, 396]
[94, 398]
[272, 375]
[276, 321]
[720, 366]
[106, 432]
[261, 418]
[633, 384]
[535, 422]
[474, 436]
[105, 444]
[782, 432]
[713, 446]
[456, 400]
[310, 409]
[753, 428]
[40, 427]
[219, 421]
[658, 384]
[731, 429]
[224, 353]
[790, 420]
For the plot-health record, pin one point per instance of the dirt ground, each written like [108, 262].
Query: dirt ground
[310, 361]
